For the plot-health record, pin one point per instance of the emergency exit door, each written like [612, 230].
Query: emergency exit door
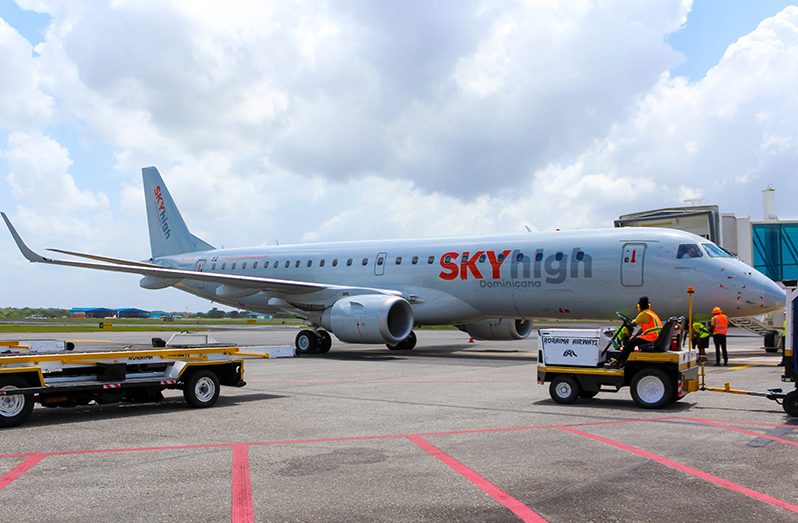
[632, 264]
[379, 263]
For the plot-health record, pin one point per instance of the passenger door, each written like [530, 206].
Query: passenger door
[632, 264]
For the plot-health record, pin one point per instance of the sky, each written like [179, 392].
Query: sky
[302, 121]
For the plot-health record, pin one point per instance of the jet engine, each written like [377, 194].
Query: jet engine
[369, 318]
[498, 329]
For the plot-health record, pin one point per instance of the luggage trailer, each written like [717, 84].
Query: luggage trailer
[69, 379]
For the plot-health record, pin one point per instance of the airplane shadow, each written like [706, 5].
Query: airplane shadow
[43, 416]
[614, 404]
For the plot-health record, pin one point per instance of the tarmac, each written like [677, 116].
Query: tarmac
[451, 431]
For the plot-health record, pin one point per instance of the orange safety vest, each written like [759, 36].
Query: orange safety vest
[720, 324]
[652, 327]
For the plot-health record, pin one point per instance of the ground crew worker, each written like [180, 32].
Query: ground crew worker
[701, 340]
[650, 325]
[720, 327]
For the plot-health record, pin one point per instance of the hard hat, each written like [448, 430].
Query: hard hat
[716, 310]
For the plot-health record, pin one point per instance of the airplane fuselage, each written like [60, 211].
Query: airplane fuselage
[587, 274]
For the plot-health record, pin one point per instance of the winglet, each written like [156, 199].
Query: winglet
[29, 254]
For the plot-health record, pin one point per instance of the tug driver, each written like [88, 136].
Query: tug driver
[649, 324]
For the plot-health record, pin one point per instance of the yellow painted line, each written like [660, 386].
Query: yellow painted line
[741, 367]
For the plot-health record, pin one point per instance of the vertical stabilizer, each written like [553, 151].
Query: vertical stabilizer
[168, 232]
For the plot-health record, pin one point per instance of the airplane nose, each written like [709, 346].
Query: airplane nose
[760, 294]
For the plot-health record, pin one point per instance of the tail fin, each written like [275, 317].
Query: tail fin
[168, 232]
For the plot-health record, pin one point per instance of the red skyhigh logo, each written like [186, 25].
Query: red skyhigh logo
[161, 207]
[555, 268]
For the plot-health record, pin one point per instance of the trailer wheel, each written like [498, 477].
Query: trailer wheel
[652, 389]
[791, 403]
[202, 389]
[564, 389]
[14, 408]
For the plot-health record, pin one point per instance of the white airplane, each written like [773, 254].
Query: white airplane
[488, 286]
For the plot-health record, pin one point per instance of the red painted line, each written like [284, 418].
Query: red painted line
[738, 422]
[518, 508]
[7, 478]
[743, 431]
[242, 488]
[689, 470]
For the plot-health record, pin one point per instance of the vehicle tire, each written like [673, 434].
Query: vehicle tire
[564, 389]
[325, 342]
[202, 389]
[408, 343]
[771, 349]
[587, 394]
[790, 403]
[306, 342]
[14, 408]
[652, 389]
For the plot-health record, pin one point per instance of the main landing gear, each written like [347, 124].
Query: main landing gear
[310, 342]
[408, 343]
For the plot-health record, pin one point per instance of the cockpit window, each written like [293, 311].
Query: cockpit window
[713, 251]
[689, 250]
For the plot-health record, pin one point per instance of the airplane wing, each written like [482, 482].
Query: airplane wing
[288, 287]
[105, 258]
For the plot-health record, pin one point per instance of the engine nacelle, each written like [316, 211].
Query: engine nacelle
[498, 329]
[370, 318]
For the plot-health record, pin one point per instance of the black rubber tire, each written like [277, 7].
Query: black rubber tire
[202, 389]
[408, 343]
[564, 389]
[790, 403]
[17, 410]
[325, 342]
[306, 342]
[652, 389]
[771, 349]
[587, 394]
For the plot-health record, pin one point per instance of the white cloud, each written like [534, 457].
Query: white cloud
[300, 121]
[23, 104]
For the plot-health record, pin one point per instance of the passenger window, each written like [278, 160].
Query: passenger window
[349, 262]
[501, 257]
[213, 267]
[688, 250]
[482, 258]
[398, 260]
[365, 261]
[431, 260]
[223, 266]
[539, 256]
[335, 262]
[321, 263]
[415, 260]
[310, 263]
[287, 263]
[276, 263]
[447, 259]
[244, 265]
[380, 260]
[464, 258]
[296, 264]
[255, 265]
[558, 256]
[233, 267]
[519, 257]
[713, 251]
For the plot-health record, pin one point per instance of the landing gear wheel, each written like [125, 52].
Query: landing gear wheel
[306, 342]
[564, 389]
[14, 408]
[587, 394]
[652, 389]
[325, 342]
[408, 343]
[202, 389]
[790, 403]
